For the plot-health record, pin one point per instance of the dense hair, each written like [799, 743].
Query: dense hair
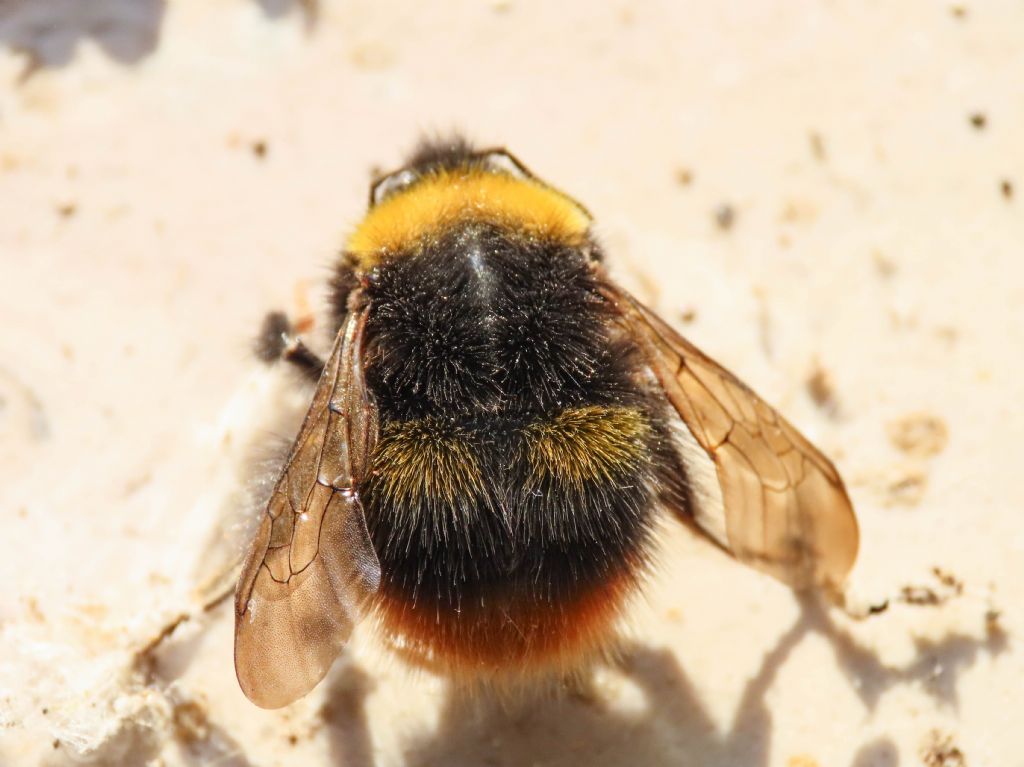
[497, 375]
[441, 152]
[522, 450]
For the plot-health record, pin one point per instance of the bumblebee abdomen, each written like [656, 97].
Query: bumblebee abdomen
[462, 511]
[510, 538]
[515, 475]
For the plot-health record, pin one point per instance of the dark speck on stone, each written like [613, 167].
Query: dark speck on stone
[725, 216]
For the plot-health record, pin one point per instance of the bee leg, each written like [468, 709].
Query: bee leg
[308, 362]
[277, 341]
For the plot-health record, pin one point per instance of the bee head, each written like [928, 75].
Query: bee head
[451, 154]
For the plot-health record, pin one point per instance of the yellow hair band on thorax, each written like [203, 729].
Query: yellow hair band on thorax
[440, 199]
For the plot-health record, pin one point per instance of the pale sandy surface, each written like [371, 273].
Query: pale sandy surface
[142, 236]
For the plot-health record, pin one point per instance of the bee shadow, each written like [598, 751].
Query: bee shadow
[673, 724]
[48, 33]
[274, 9]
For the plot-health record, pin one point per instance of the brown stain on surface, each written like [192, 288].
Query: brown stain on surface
[802, 760]
[822, 390]
[940, 750]
[907, 490]
[919, 434]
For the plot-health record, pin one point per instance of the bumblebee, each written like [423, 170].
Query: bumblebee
[492, 439]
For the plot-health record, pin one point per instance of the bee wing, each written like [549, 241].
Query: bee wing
[311, 565]
[757, 486]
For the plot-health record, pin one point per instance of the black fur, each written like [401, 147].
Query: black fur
[442, 153]
[524, 331]
[343, 282]
[268, 346]
[483, 331]
[276, 341]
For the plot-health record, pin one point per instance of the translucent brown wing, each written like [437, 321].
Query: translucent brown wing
[311, 565]
[757, 486]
